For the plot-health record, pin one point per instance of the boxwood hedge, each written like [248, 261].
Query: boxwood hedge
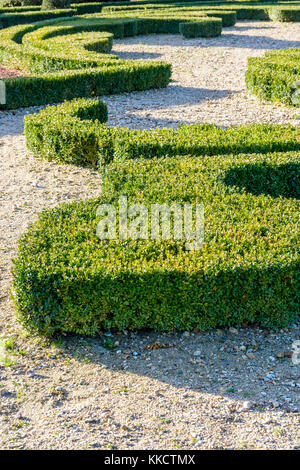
[52, 71]
[12, 19]
[276, 76]
[247, 271]
[291, 14]
[59, 133]
[258, 11]
[54, 62]
[67, 280]
[195, 29]
[228, 17]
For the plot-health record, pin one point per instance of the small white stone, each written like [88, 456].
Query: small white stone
[246, 406]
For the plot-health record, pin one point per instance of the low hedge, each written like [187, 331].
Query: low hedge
[252, 13]
[55, 4]
[12, 19]
[229, 11]
[20, 9]
[54, 133]
[285, 14]
[38, 48]
[46, 63]
[65, 47]
[208, 29]
[275, 76]
[243, 12]
[247, 271]
[85, 8]
[83, 117]
[56, 87]
[228, 17]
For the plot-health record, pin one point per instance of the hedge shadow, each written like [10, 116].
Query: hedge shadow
[275, 181]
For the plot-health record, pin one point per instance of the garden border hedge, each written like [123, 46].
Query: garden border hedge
[54, 133]
[67, 280]
[105, 75]
[208, 29]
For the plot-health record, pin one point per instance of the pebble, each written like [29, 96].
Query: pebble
[197, 353]
[247, 405]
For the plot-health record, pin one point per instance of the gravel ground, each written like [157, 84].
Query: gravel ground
[6, 72]
[222, 389]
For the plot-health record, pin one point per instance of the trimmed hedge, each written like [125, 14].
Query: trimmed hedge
[276, 76]
[38, 49]
[55, 4]
[172, 24]
[55, 66]
[79, 120]
[207, 29]
[285, 14]
[68, 280]
[228, 17]
[229, 12]
[251, 13]
[20, 9]
[54, 133]
[56, 87]
[244, 11]
[85, 8]
[11, 19]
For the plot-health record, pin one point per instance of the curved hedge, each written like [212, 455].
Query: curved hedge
[64, 47]
[28, 17]
[228, 17]
[68, 280]
[276, 76]
[258, 11]
[75, 138]
[261, 11]
[54, 70]
[59, 133]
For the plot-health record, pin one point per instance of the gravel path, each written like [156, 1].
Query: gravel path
[6, 72]
[223, 389]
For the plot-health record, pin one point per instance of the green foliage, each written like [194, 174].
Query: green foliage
[55, 4]
[68, 280]
[291, 14]
[252, 13]
[206, 28]
[19, 5]
[70, 129]
[228, 17]
[55, 51]
[276, 76]
[56, 134]
[51, 59]
[16, 17]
